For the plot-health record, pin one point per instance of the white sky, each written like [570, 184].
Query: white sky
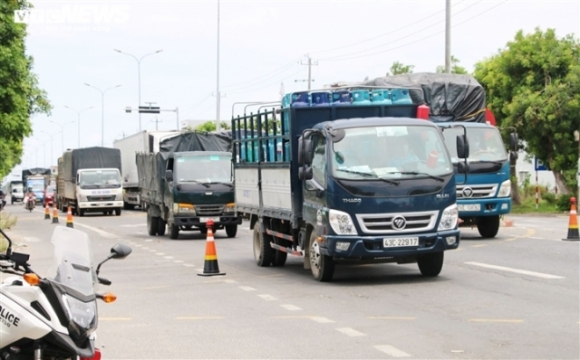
[261, 46]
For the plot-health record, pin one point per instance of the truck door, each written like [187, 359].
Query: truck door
[314, 189]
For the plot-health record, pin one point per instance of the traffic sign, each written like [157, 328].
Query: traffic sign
[539, 165]
[149, 109]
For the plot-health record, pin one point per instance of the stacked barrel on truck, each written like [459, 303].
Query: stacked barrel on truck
[338, 189]
[188, 182]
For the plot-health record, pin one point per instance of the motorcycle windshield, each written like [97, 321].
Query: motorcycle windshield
[73, 264]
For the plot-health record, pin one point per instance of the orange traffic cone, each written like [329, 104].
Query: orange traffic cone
[69, 219]
[46, 212]
[210, 267]
[54, 214]
[573, 224]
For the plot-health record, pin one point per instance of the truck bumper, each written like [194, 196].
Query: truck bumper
[100, 204]
[484, 207]
[199, 221]
[372, 247]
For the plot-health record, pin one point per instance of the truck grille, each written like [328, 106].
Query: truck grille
[396, 223]
[101, 198]
[209, 210]
[476, 191]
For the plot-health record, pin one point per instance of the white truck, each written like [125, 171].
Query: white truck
[89, 180]
[142, 142]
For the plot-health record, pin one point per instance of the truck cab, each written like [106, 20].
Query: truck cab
[99, 190]
[484, 194]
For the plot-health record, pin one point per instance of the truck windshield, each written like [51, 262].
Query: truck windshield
[203, 168]
[36, 185]
[390, 152]
[485, 144]
[100, 179]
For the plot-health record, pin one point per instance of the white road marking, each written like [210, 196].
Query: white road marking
[30, 239]
[498, 320]
[230, 281]
[291, 307]
[391, 351]
[321, 320]
[103, 233]
[178, 261]
[517, 271]
[168, 257]
[267, 297]
[350, 332]
[134, 225]
[137, 245]
[160, 254]
[145, 248]
[188, 265]
[537, 238]
[247, 288]
[148, 240]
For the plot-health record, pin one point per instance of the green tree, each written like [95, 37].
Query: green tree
[455, 68]
[533, 85]
[20, 96]
[399, 68]
[210, 126]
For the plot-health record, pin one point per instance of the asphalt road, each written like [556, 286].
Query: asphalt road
[516, 296]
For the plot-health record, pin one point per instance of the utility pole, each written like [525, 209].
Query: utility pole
[156, 121]
[218, 95]
[309, 63]
[448, 36]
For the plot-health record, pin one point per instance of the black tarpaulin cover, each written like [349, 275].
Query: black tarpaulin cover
[151, 167]
[450, 97]
[88, 158]
[35, 171]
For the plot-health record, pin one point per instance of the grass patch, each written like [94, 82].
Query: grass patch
[528, 206]
[7, 221]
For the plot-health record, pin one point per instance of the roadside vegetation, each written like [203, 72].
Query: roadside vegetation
[7, 221]
[548, 201]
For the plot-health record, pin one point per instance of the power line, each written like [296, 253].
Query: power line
[275, 83]
[269, 75]
[338, 58]
[385, 34]
[397, 40]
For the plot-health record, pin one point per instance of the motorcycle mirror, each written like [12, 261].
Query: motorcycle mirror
[104, 281]
[120, 251]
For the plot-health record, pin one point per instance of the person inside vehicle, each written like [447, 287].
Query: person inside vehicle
[401, 155]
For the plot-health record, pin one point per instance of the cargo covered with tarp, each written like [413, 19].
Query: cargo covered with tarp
[450, 97]
[151, 167]
[35, 172]
[88, 158]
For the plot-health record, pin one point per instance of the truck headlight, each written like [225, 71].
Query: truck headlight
[505, 189]
[230, 208]
[180, 208]
[82, 198]
[341, 223]
[449, 218]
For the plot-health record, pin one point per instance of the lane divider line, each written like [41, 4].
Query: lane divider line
[517, 271]
[391, 351]
[392, 317]
[267, 297]
[199, 317]
[291, 307]
[498, 320]
[350, 332]
[247, 288]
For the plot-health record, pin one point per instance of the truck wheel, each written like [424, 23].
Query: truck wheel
[279, 258]
[488, 226]
[231, 230]
[161, 226]
[430, 265]
[322, 266]
[81, 212]
[152, 224]
[173, 231]
[118, 211]
[263, 252]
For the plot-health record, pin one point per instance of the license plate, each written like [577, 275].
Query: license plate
[205, 219]
[471, 207]
[399, 242]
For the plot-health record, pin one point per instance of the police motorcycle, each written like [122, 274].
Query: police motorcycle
[54, 317]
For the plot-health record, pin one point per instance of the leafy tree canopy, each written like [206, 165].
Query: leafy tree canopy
[455, 68]
[210, 126]
[399, 68]
[20, 96]
[533, 85]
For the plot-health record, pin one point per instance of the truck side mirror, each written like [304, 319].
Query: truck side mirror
[304, 151]
[514, 141]
[462, 147]
[305, 172]
[169, 175]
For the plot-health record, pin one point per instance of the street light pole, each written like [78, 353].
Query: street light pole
[62, 132]
[138, 73]
[51, 144]
[102, 109]
[79, 122]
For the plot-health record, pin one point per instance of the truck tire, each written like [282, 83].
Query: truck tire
[128, 206]
[152, 224]
[279, 258]
[488, 226]
[322, 266]
[173, 231]
[231, 230]
[81, 212]
[161, 226]
[118, 211]
[430, 265]
[263, 252]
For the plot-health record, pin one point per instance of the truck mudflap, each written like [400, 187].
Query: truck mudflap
[199, 221]
[379, 248]
[484, 207]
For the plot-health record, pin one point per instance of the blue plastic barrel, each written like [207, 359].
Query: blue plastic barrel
[381, 96]
[401, 96]
[300, 99]
[320, 98]
[341, 97]
[360, 97]
[286, 101]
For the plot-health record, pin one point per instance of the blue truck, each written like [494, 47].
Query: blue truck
[484, 193]
[37, 179]
[327, 176]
